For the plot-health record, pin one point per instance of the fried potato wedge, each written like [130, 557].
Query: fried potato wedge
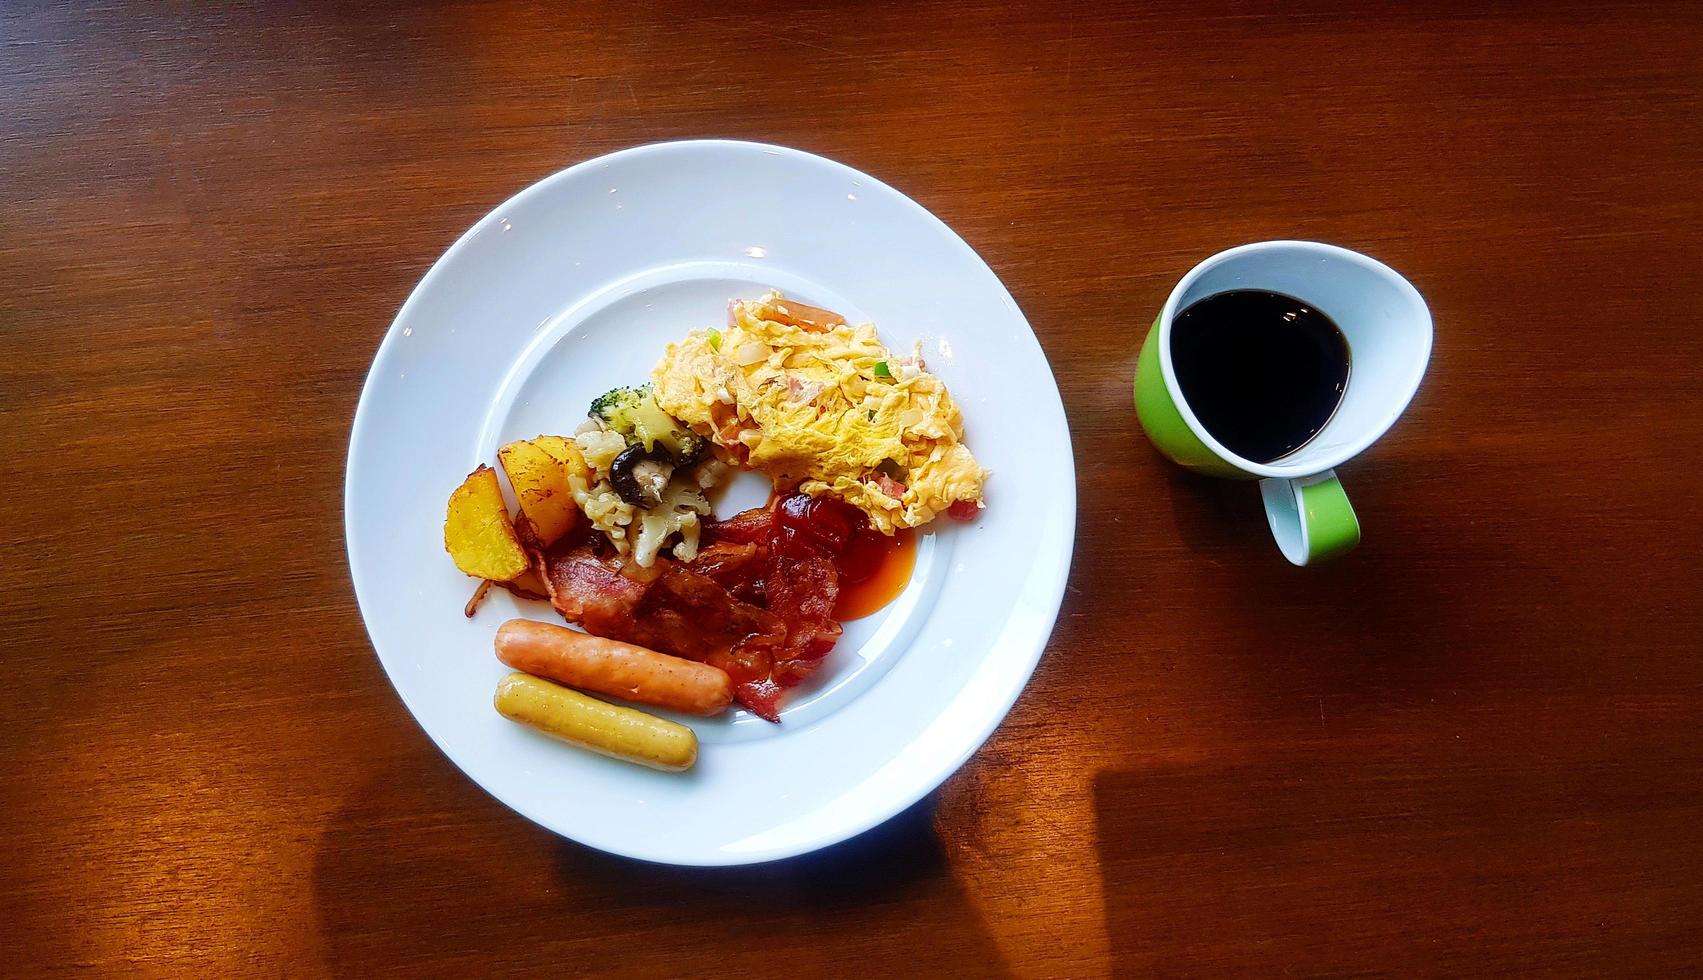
[527, 586]
[477, 531]
[538, 470]
[564, 449]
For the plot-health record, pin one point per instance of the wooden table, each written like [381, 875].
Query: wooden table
[1473, 747]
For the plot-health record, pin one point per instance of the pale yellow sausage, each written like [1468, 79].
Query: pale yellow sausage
[608, 729]
[622, 670]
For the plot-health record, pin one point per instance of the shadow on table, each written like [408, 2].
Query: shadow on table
[1210, 513]
[1397, 620]
[1287, 861]
[421, 870]
[1228, 870]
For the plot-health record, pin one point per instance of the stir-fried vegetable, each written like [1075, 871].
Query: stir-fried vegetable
[634, 414]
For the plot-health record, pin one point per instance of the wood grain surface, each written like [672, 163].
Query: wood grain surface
[1471, 748]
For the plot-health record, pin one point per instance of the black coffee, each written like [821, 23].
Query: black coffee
[1262, 371]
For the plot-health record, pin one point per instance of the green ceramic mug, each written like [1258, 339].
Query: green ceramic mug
[1388, 329]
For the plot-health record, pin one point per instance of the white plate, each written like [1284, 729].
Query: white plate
[575, 285]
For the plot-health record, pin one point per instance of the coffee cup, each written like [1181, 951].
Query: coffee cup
[1387, 329]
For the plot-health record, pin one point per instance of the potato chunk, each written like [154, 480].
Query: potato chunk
[538, 471]
[527, 586]
[478, 533]
[563, 448]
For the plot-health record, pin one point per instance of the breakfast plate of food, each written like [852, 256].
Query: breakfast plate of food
[709, 502]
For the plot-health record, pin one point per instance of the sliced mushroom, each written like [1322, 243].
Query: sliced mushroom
[640, 478]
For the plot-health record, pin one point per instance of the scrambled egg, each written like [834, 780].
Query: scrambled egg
[800, 395]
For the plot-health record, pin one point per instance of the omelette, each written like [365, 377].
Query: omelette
[800, 395]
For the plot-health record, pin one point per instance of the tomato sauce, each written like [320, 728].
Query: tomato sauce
[874, 569]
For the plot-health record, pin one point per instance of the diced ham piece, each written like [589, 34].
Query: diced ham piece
[889, 486]
[963, 510]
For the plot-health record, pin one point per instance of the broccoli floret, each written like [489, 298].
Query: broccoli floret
[633, 413]
[616, 404]
[686, 446]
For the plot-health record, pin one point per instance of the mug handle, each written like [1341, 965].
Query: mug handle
[1310, 517]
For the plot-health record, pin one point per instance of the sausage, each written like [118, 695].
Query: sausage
[607, 729]
[622, 670]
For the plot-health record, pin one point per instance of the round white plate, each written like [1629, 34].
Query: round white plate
[574, 286]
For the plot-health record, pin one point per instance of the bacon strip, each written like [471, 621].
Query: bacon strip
[746, 527]
[757, 601]
[673, 609]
